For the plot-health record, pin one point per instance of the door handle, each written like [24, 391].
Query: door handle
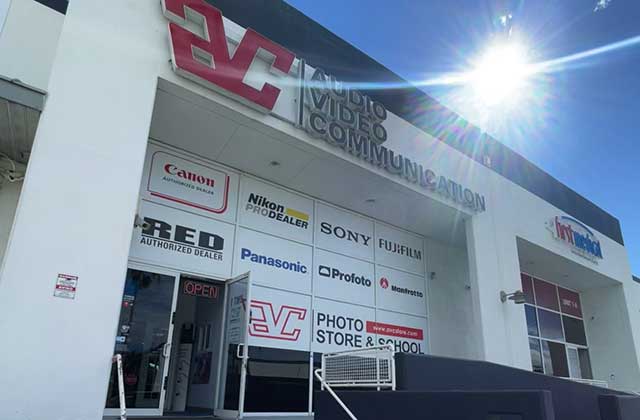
[165, 350]
[239, 354]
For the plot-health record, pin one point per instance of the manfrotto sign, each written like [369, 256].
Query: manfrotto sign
[400, 291]
[327, 109]
[577, 236]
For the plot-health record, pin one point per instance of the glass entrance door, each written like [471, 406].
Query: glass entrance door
[144, 341]
[235, 350]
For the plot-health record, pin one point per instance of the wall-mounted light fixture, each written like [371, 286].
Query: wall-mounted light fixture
[517, 297]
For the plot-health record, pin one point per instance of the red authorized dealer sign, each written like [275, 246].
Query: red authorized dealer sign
[394, 330]
[196, 288]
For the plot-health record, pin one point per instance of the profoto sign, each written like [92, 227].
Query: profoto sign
[327, 109]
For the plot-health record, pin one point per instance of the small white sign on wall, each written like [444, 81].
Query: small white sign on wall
[66, 286]
[183, 241]
[280, 319]
[400, 291]
[399, 249]
[276, 211]
[177, 180]
[343, 232]
[273, 261]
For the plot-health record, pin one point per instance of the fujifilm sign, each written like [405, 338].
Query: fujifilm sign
[327, 109]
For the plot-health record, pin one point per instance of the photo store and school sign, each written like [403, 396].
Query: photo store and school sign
[327, 109]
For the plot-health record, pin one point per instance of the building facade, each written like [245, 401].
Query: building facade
[205, 188]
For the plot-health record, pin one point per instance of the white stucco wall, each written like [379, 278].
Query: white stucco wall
[4, 9]
[96, 121]
[451, 323]
[28, 41]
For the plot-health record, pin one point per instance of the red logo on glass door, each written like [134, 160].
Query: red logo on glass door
[206, 59]
[266, 323]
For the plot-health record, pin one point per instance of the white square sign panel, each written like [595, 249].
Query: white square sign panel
[276, 211]
[406, 333]
[399, 249]
[280, 319]
[343, 232]
[179, 181]
[340, 326]
[183, 241]
[273, 261]
[342, 278]
[400, 291]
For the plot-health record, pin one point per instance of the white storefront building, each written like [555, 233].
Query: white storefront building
[171, 151]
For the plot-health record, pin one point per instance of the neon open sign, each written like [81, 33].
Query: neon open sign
[196, 288]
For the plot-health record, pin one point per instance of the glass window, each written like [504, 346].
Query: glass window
[585, 364]
[527, 288]
[574, 330]
[574, 363]
[555, 359]
[277, 380]
[570, 302]
[546, 294]
[532, 320]
[550, 325]
[536, 355]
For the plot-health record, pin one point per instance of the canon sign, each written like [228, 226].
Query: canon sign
[207, 60]
[172, 169]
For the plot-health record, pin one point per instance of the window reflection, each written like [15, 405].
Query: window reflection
[550, 325]
[532, 320]
[536, 355]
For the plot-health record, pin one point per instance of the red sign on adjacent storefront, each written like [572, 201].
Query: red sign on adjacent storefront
[570, 302]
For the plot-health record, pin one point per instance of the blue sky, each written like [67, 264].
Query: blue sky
[579, 122]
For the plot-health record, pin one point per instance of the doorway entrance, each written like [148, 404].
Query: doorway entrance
[174, 335]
